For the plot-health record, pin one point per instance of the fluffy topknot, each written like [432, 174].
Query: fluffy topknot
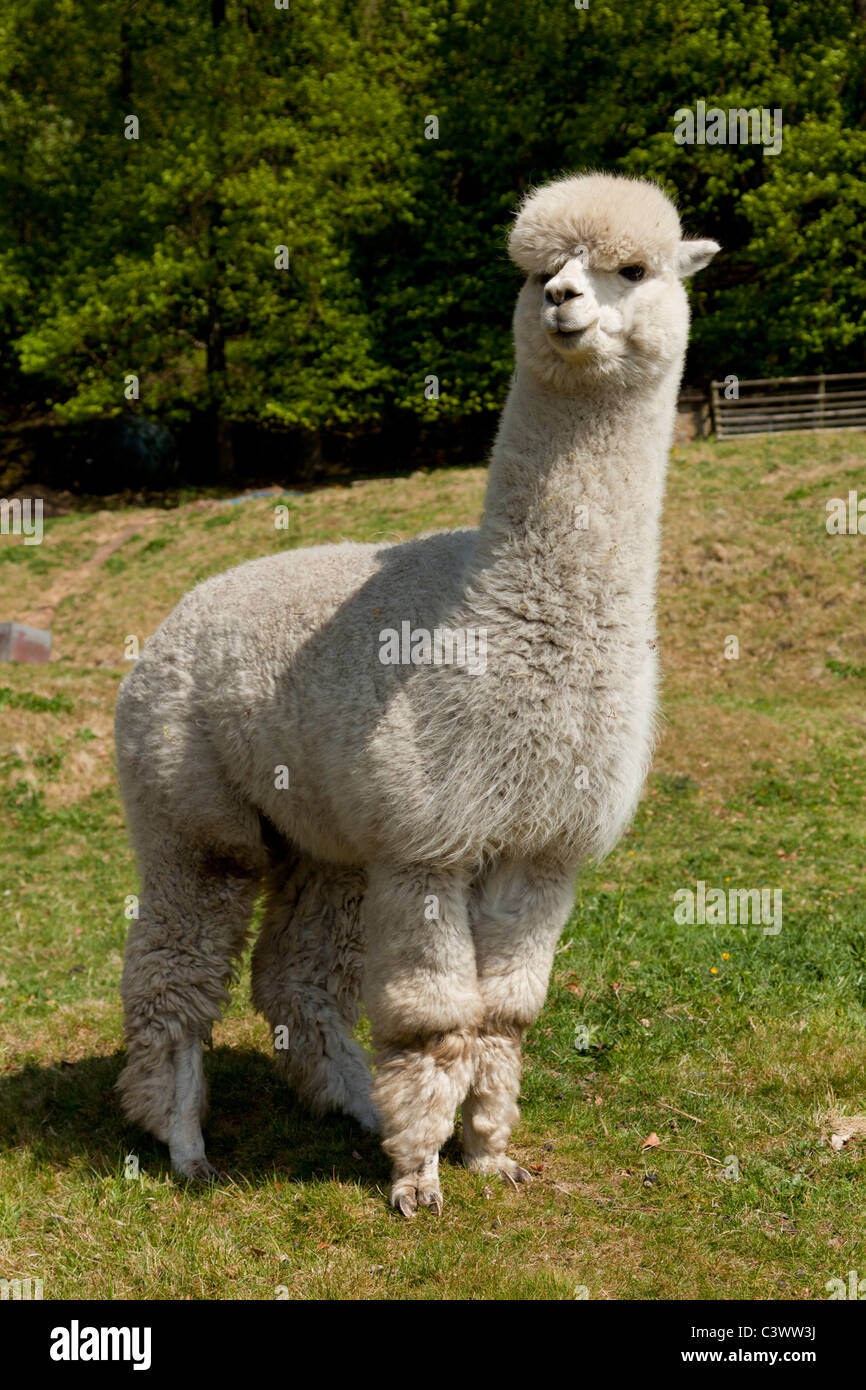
[620, 220]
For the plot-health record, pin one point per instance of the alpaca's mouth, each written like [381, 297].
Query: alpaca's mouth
[564, 334]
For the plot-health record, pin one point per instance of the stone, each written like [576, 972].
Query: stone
[18, 642]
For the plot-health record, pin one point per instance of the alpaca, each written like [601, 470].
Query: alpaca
[418, 820]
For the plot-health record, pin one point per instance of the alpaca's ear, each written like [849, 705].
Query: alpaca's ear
[694, 255]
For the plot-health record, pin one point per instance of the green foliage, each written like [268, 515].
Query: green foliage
[305, 129]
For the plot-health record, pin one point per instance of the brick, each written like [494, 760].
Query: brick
[18, 642]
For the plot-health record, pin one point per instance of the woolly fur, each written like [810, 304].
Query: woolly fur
[619, 220]
[421, 851]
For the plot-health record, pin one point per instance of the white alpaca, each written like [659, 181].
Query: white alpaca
[424, 851]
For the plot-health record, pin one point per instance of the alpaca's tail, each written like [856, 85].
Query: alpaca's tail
[306, 970]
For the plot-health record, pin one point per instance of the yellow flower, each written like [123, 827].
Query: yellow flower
[714, 971]
[726, 955]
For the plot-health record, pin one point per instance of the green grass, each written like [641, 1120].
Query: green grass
[733, 1047]
[38, 704]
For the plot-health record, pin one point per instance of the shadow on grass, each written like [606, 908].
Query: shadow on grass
[256, 1131]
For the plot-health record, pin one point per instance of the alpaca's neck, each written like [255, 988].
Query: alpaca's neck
[574, 494]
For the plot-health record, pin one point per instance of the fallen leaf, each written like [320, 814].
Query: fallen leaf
[652, 1142]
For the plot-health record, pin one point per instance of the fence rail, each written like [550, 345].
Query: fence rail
[768, 405]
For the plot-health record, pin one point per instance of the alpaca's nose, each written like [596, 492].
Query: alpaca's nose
[561, 289]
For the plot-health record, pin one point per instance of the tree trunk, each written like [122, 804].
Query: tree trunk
[219, 427]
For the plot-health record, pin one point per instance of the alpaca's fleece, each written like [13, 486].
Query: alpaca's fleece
[418, 826]
[619, 221]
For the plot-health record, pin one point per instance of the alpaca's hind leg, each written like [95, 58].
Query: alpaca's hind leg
[192, 923]
[185, 1139]
[306, 981]
[422, 998]
[517, 915]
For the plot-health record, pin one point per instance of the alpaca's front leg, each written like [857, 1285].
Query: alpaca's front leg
[422, 999]
[517, 916]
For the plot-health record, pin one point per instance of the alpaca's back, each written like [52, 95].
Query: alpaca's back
[265, 684]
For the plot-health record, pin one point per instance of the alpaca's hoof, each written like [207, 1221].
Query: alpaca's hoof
[406, 1204]
[417, 1190]
[509, 1171]
[431, 1198]
[512, 1173]
[196, 1170]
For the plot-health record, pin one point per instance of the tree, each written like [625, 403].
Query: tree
[295, 219]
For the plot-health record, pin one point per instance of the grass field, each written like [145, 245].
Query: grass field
[741, 1052]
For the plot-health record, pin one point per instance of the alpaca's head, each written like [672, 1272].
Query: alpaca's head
[603, 300]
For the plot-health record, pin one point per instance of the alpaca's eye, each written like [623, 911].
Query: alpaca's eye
[632, 272]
